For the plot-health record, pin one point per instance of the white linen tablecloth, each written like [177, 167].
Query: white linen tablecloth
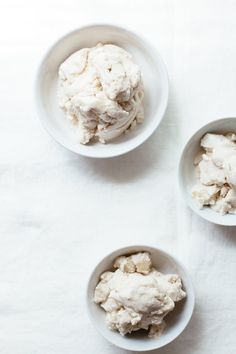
[60, 213]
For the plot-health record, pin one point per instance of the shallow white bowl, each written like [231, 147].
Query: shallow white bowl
[187, 172]
[176, 320]
[154, 77]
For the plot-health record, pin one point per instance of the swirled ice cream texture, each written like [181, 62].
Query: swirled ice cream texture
[101, 92]
[216, 185]
[136, 296]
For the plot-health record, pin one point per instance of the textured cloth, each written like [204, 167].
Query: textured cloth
[60, 212]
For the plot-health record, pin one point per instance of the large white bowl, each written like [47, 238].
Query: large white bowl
[187, 171]
[176, 321]
[154, 77]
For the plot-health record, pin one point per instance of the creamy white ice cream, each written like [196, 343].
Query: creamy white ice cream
[101, 92]
[137, 296]
[217, 173]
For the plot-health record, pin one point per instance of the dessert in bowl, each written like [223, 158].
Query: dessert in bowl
[149, 108]
[140, 298]
[207, 172]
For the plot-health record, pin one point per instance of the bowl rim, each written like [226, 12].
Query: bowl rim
[219, 219]
[41, 111]
[125, 250]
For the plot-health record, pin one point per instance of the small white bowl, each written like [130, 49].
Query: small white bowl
[187, 170]
[176, 320]
[154, 77]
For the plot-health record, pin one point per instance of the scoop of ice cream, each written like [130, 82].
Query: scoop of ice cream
[210, 141]
[209, 173]
[136, 295]
[205, 195]
[139, 262]
[230, 170]
[217, 173]
[101, 91]
[226, 203]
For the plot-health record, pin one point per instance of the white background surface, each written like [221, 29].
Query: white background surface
[61, 213]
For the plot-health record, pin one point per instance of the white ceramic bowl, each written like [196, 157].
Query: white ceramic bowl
[154, 77]
[187, 172]
[176, 320]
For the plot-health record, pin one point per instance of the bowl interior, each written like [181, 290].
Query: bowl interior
[187, 170]
[154, 77]
[176, 320]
